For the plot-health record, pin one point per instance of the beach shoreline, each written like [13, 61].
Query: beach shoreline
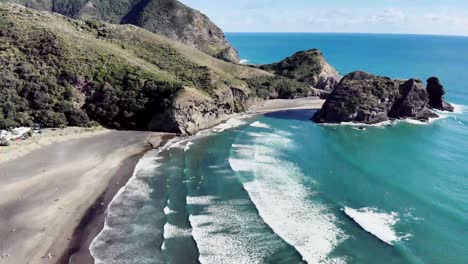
[276, 105]
[93, 221]
[47, 192]
[71, 245]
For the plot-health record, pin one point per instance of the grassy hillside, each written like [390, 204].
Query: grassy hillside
[169, 18]
[59, 71]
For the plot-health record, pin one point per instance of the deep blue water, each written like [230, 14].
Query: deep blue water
[278, 188]
[396, 56]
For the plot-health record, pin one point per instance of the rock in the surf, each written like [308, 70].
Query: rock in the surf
[436, 95]
[362, 97]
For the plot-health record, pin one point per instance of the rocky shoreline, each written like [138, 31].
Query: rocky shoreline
[361, 97]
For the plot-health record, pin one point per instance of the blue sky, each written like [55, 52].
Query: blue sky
[445, 17]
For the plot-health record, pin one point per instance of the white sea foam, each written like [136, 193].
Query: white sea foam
[381, 124]
[459, 109]
[260, 125]
[168, 211]
[388, 123]
[283, 201]
[123, 208]
[227, 233]
[200, 200]
[178, 144]
[379, 224]
[187, 146]
[244, 61]
[231, 123]
[171, 231]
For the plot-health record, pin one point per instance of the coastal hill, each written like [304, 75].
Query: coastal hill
[169, 18]
[366, 98]
[308, 67]
[57, 71]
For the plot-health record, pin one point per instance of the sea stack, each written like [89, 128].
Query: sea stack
[362, 97]
[436, 95]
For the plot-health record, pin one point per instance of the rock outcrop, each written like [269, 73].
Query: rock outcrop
[366, 98]
[309, 67]
[169, 18]
[436, 95]
[193, 110]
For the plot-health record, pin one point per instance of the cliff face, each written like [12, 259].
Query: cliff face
[309, 67]
[365, 98]
[436, 95]
[169, 18]
[59, 71]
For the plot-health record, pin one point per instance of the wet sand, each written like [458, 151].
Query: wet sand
[50, 192]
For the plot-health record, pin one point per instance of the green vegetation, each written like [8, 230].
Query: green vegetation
[169, 18]
[267, 87]
[58, 71]
[302, 66]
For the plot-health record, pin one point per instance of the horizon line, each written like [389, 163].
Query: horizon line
[344, 33]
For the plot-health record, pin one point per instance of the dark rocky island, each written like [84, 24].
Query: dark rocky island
[362, 97]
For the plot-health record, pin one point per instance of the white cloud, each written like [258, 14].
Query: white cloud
[389, 16]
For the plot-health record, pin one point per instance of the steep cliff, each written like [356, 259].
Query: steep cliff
[60, 71]
[169, 18]
[436, 95]
[366, 98]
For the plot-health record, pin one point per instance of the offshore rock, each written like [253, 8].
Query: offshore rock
[362, 97]
[436, 95]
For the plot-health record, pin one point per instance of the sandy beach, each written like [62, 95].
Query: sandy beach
[56, 187]
[285, 104]
[47, 191]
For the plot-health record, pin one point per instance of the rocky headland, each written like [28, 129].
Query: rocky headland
[57, 71]
[362, 97]
[308, 67]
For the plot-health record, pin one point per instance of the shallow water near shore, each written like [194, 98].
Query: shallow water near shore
[278, 188]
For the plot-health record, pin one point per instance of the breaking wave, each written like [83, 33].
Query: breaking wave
[379, 224]
[282, 200]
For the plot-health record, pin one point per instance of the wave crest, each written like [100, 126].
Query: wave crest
[379, 224]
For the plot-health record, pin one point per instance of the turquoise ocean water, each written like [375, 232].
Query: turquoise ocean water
[278, 188]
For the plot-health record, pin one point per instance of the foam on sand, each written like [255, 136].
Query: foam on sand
[282, 200]
[260, 125]
[120, 226]
[231, 123]
[379, 224]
